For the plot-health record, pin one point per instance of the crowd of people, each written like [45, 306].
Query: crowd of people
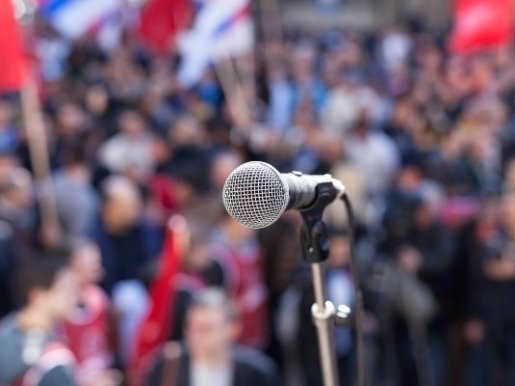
[423, 140]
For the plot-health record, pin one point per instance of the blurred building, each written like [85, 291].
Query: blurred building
[362, 14]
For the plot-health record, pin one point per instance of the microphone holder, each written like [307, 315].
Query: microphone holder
[315, 247]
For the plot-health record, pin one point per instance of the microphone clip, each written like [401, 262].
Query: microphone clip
[314, 236]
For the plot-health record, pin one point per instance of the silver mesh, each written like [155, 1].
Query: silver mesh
[255, 194]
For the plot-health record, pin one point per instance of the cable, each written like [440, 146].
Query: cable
[360, 345]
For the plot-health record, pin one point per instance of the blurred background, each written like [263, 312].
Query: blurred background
[120, 121]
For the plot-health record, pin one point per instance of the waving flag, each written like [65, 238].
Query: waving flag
[481, 24]
[75, 18]
[12, 59]
[222, 29]
[157, 325]
[162, 20]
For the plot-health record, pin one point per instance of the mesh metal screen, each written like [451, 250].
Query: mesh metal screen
[255, 194]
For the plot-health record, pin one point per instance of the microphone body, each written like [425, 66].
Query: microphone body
[256, 194]
[303, 188]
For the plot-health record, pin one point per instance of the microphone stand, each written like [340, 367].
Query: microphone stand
[315, 246]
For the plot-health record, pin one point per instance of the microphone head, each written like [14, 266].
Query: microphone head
[255, 194]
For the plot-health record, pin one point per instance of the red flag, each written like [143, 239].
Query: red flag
[481, 24]
[157, 325]
[12, 62]
[162, 20]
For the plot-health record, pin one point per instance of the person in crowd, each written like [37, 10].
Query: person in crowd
[490, 328]
[355, 185]
[223, 163]
[190, 167]
[70, 123]
[17, 203]
[374, 154]
[210, 355]
[31, 352]
[88, 329]
[236, 249]
[281, 250]
[7, 263]
[197, 271]
[19, 223]
[420, 250]
[129, 245]
[76, 200]
[130, 151]
[9, 136]
[307, 141]
[281, 99]
[100, 109]
[126, 240]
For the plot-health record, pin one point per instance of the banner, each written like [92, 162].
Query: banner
[161, 22]
[222, 29]
[12, 59]
[156, 327]
[75, 18]
[480, 25]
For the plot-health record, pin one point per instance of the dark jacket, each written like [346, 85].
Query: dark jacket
[251, 368]
[126, 256]
[7, 261]
[488, 299]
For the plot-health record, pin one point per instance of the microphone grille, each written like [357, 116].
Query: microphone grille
[255, 194]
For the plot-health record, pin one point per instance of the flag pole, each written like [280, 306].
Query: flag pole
[40, 160]
[233, 90]
[244, 73]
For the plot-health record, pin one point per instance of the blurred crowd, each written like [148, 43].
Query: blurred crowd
[423, 140]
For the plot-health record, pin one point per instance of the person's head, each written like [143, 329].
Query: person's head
[305, 117]
[507, 212]
[131, 123]
[86, 262]
[187, 131]
[70, 119]
[16, 188]
[509, 177]
[45, 284]
[212, 325]
[196, 246]
[8, 162]
[122, 203]
[410, 177]
[222, 165]
[482, 72]
[73, 154]
[333, 149]
[424, 215]
[339, 255]
[399, 216]
[190, 171]
[402, 111]
[489, 208]
[362, 125]
[233, 229]
[96, 99]
[6, 112]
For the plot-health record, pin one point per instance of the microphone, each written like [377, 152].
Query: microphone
[256, 194]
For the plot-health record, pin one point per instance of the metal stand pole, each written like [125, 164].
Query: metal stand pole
[323, 313]
[315, 246]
